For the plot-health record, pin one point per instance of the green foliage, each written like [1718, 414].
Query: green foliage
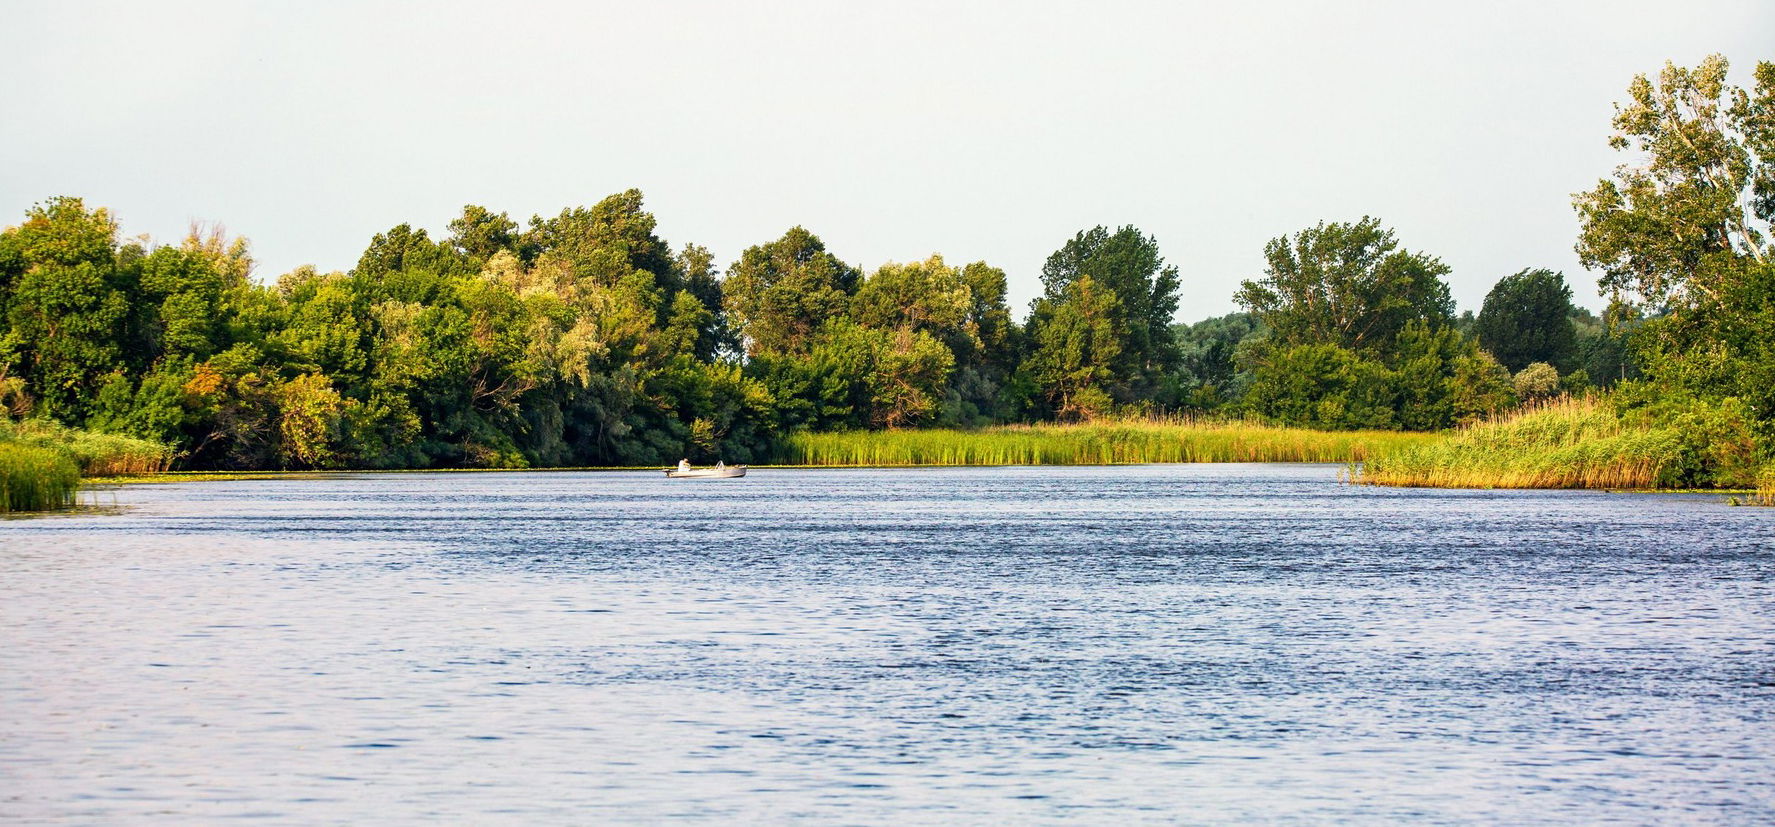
[1075, 348]
[1585, 443]
[1603, 352]
[779, 293]
[1678, 228]
[1126, 264]
[1527, 318]
[1765, 490]
[586, 339]
[1347, 285]
[1322, 386]
[66, 316]
[93, 454]
[1565, 444]
[1537, 381]
[35, 479]
[1207, 349]
[1098, 443]
[1681, 232]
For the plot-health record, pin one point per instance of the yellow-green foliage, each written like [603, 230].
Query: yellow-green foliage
[1568, 443]
[1103, 443]
[33, 478]
[1765, 494]
[96, 454]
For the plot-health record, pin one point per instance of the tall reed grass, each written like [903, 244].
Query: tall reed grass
[97, 455]
[1103, 443]
[33, 478]
[1765, 493]
[1565, 443]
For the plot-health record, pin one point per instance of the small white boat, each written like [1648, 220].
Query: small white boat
[718, 472]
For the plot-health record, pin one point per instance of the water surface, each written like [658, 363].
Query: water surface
[1162, 643]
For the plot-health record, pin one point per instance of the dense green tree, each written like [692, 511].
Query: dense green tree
[1526, 318]
[1682, 232]
[67, 306]
[1127, 263]
[607, 243]
[701, 281]
[780, 293]
[1208, 352]
[1442, 378]
[479, 233]
[922, 295]
[1684, 225]
[1075, 347]
[1347, 285]
[1323, 386]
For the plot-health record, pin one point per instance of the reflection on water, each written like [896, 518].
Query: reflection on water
[1150, 643]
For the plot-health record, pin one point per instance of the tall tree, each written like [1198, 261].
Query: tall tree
[779, 293]
[68, 304]
[1527, 318]
[606, 243]
[1347, 285]
[479, 233]
[1075, 346]
[1679, 228]
[1684, 228]
[1128, 264]
[924, 295]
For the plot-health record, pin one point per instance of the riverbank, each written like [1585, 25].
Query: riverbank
[43, 464]
[1105, 443]
[1570, 443]
[1580, 443]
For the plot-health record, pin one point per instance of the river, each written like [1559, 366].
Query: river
[1151, 643]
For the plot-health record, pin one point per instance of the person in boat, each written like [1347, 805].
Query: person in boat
[684, 465]
[720, 466]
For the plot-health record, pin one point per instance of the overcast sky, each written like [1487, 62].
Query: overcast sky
[976, 130]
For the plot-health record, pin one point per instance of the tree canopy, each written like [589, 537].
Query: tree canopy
[1527, 318]
[1346, 284]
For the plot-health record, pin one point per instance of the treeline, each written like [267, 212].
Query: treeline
[585, 338]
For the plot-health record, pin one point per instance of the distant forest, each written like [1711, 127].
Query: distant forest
[585, 338]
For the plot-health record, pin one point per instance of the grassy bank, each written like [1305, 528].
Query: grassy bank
[1093, 444]
[1569, 443]
[35, 479]
[41, 463]
[96, 454]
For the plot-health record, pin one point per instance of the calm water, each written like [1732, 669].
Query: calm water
[1161, 643]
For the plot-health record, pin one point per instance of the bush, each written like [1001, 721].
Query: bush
[1537, 381]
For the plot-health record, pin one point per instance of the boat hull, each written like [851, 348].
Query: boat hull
[727, 473]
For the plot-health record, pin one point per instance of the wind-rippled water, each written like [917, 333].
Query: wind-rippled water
[1160, 643]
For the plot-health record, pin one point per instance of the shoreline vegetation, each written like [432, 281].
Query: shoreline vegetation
[1578, 442]
[1094, 443]
[1571, 443]
[585, 339]
[43, 464]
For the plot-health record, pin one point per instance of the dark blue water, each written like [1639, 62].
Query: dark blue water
[1164, 643]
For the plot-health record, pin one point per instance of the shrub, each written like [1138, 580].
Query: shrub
[1537, 381]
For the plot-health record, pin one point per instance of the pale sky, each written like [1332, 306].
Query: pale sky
[976, 130]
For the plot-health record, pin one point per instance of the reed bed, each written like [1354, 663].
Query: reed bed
[1566, 443]
[33, 478]
[1765, 493]
[1102, 443]
[96, 454]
